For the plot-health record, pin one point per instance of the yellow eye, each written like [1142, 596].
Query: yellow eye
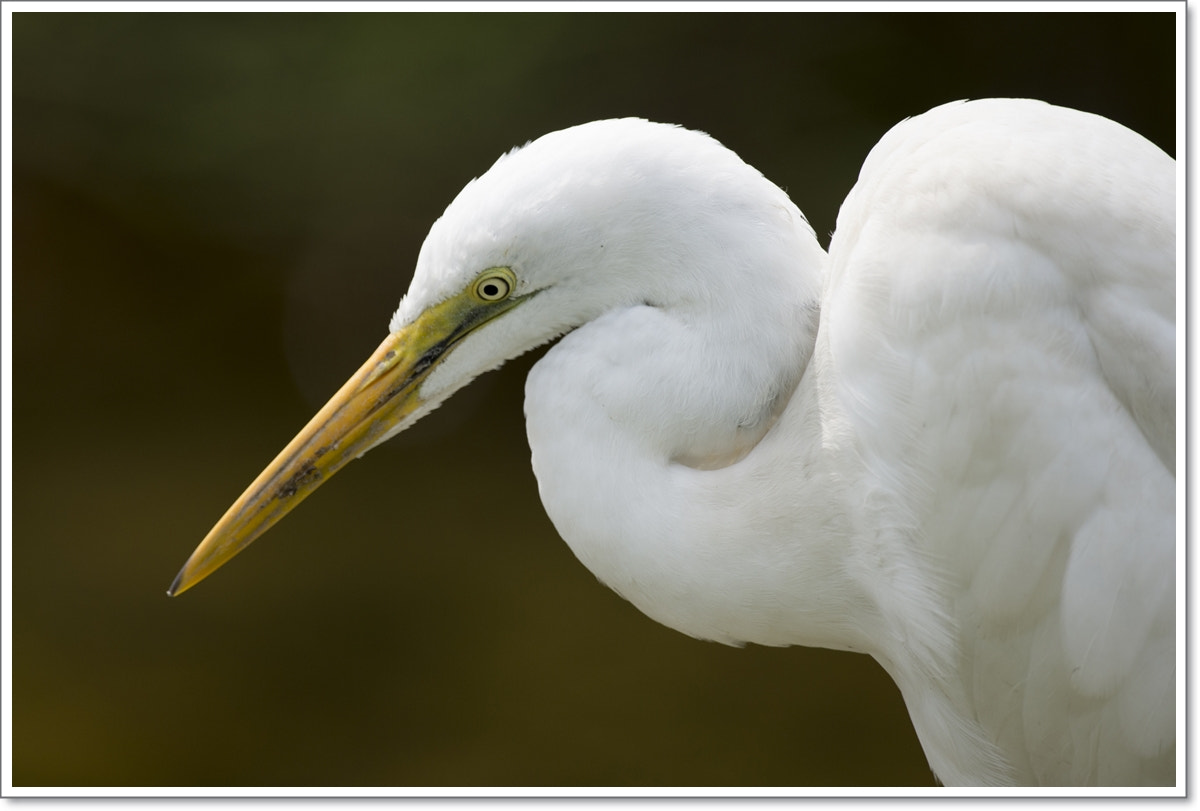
[495, 284]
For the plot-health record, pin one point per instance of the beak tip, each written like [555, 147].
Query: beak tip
[177, 586]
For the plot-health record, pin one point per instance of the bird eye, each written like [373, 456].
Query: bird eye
[495, 284]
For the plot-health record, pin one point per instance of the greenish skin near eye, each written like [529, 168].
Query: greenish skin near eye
[495, 284]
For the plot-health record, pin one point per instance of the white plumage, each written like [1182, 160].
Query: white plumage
[949, 444]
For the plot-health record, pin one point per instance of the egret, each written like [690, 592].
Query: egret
[948, 443]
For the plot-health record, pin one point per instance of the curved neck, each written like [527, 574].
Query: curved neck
[659, 436]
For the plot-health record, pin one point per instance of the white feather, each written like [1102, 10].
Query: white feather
[950, 444]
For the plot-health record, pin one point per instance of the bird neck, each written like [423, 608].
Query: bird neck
[660, 435]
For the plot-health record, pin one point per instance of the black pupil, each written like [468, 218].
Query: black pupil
[491, 289]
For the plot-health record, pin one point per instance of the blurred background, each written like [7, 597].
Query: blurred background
[214, 217]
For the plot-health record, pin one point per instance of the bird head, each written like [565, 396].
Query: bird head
[602, 215]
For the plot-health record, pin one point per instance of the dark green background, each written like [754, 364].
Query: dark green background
[214, 217]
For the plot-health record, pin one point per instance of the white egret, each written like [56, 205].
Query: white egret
[949, 444]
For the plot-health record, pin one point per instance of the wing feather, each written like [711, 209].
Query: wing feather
[1000, 316]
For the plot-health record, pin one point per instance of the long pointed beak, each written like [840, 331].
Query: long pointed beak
[374, 404]
[377, 398]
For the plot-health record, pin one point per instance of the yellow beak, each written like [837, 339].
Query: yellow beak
[374, 403]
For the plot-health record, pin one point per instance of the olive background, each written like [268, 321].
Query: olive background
[214, 216]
